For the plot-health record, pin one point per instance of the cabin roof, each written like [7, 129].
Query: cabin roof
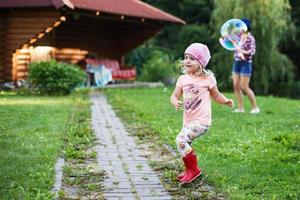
[132, 8]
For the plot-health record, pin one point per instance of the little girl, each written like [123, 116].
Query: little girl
[197, 86]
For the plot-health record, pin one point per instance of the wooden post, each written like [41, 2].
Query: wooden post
[2, 46]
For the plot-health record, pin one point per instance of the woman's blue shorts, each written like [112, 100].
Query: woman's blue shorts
[243, 68]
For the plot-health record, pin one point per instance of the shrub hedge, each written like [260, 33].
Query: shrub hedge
[54, 78]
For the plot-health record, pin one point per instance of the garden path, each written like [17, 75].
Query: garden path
[129, 175]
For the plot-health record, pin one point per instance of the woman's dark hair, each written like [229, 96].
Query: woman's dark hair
[248, 23]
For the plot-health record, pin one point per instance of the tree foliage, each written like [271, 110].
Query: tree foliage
[192, 11]
[271, 24]
[173, 39]
[272, 27]
[159, 67]
[292, 47]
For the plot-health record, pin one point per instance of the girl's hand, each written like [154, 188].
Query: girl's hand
[241, 55]
[230, 103]
[178, 105]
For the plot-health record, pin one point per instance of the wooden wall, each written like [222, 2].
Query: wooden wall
[23, 57]
[21, 60]
[131, 35]
[70, 55]
[2, 45]
[21, 26]
[107, 36]
[111, 38]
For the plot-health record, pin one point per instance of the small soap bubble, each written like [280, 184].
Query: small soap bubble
[231, 32]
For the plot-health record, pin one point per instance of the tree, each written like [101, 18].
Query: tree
[192, 11]
[271, 24]
[292, 47]
[175, 38]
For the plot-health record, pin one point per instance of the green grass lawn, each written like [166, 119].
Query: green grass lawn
[31, 137]
[246, 156]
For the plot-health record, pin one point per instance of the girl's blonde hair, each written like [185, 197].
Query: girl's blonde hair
[204, 72]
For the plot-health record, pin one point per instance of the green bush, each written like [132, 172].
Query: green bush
[139, 56]
[285, 89]
[54, 78]
[159, 68]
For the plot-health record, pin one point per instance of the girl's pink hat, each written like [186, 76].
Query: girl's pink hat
[200, 52]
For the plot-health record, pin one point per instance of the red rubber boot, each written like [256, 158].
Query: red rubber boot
[180, 176]
[183, 174]
[193, 171]
[186, 171]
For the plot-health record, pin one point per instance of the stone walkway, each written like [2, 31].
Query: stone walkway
[128, 173]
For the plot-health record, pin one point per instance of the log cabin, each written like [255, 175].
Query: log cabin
[67, 30]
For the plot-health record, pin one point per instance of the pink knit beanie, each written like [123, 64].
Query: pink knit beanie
[200, 52]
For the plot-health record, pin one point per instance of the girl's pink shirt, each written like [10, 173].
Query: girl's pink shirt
[196, 98]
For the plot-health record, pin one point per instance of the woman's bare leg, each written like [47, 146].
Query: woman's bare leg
[244, 84]
[238, 90]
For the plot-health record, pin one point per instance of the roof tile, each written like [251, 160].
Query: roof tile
[133, 8]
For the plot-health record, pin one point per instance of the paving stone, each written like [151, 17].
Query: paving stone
[119, 195]
[129, 176]
[151, 192]
[122, 190]
[122, 198]
[156, 198]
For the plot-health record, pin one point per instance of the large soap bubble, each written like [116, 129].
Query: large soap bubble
[231, 33]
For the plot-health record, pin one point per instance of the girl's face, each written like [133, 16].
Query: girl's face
[191, 65]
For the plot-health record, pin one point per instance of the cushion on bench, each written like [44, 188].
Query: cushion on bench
[113, 65]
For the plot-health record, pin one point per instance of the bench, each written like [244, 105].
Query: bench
[113, 65]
